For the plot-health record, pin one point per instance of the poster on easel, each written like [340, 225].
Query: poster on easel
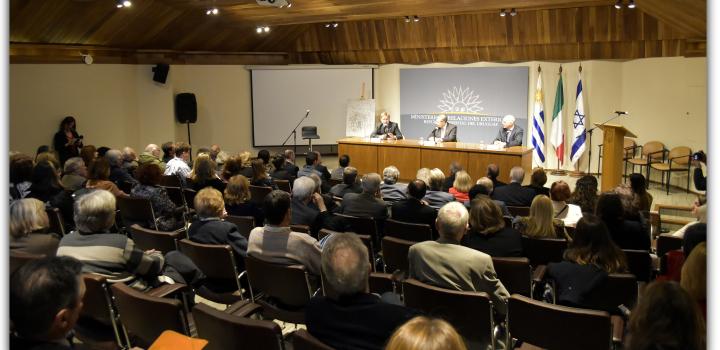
[360, 118]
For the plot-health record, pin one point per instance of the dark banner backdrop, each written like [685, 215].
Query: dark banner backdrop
[475, 99]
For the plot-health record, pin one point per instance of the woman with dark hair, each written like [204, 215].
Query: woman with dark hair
[642, 200]
[538, 179]
[488, 232]
[265, 156]
[98, 174]
[21, 168]
[47, 188]
[666, 318]
[586, 194]
[203, 174]
[231, 167]
[587, 261]
[627, 234]
[260, 176]
[237, 200]
[169, 216]
[281, 173]
[67, 142]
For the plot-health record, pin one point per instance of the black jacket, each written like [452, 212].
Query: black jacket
[412, 211]
[216, 231]
[514, 195]
[575, 282]
[516, 136]
[392, 128]
[504, 243]
[629, 234]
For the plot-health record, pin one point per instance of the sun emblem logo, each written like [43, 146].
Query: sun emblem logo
[460, 100]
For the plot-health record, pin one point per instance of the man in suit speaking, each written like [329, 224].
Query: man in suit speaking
[387, 129]
[510, 134]
[444, 131]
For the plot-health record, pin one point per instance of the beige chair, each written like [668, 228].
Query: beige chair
[678, 159]
[651, 152]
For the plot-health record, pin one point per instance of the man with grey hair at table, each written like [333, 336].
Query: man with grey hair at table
[444, 131]
[510, 134]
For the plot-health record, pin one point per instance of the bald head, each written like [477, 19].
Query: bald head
[452, 221]
[154, 150]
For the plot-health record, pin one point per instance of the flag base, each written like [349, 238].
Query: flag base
[559, 172]
[577, 173]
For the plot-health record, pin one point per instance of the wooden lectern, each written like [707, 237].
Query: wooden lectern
[613, 154]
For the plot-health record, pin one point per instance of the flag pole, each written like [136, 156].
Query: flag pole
[577, 172]
[557, 170]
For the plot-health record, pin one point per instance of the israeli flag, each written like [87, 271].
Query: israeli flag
[578, 146]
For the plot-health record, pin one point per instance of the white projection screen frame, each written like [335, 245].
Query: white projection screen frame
[281, 95]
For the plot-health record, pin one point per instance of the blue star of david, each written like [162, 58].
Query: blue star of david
[578, 120]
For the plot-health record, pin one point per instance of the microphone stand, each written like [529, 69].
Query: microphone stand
[589, 132]
[293, 133]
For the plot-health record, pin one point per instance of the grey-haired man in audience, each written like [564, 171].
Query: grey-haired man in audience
[390, 189]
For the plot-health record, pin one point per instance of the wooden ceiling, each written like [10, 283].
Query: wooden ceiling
[370, 31]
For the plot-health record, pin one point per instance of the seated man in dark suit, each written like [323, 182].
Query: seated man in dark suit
[412, 209]
[391, 190]
[281, 172]
[484, 186]
[514, 194]
[455, 166]
[211, 228]
[493, 171]
[510, 134]
[367, 203]
[289, 164]
[349, 185]
[387, 129]
[435, 197]
[349, 316]
[308, 207]
[443, 131]
[323, 170]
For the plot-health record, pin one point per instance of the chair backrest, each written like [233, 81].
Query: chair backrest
[639, 264]
[395, 253]
[333, 182]
[303, 340]
[125, 186]
[57, 225]
[18, 259]
[176, 195]
[170, 181]
[541, 251]
[629, 146]
[653, 147]
[408, 231]
[258, 193]
[618, 289]
[469, 312]
[519, 211]
[515, 274]
[147, 239]
[558, 327]
[288, 284]
[655, 223]
[367, 241]
[189, 195]
[682, 152]
[381, 282]
[135, 308]
[229, 332]
[361, 225]
[216, 261]
[666, 243]
[136, 210]
[508, 221]
[283, 185]
[245, 224]
[97, 304]
[300, 228]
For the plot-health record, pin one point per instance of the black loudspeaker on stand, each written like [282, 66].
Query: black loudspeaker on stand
[186, 111]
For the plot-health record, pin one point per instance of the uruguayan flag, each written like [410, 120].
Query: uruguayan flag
[538, 129]
[578, 146]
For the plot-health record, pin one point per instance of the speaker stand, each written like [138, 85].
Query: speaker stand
[189, 140]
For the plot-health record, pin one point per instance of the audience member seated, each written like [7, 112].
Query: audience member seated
[46, 297]
[102, 150]
[260, 176]
[538, 179]
[542, 222]
[168, 215]
[88, 153]
[46, 187]
[264, 155]
[694, 236]
[129, 160]
[233, 166]
[513, 194]
[203, 174]
[349, 185]
[74, 174]
[21, 169]
[367, 203]
[319, 189]
[49, 157]
[435, 197]
[447, 264]
[587, 261]
[246, 162]
[237, 200]
[461, 186]
[311, 160]
[323, 170]
[693, 277]
[627, 234]
[276, 243]
[214, 152]
[343, 162]
[423, 333]
[98, 176]
[455, 166]
[586, 193]
[666, 317]
[390, 189]
[308, 206]
[642, 199]
[485, 186]
[349, 316]
[29, 224]
[630, 209]
[210, 228]
[412, 209]
[114, 255]
[168, 149]
[220, 160]
[699, 211]
[290, 163]
[424, 175]
[568, 213]
[281, 172]
[488, 232]
[178, 165]
[493, 171]
[151, 155]
[118, 174]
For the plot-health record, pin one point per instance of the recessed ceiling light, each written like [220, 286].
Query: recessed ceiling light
[416, 19]
[259, 30]
[266, 29]
[127, 3]
[631, 4]
[407, 19]
[503, 13]
[513, 12]
[618, 4]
